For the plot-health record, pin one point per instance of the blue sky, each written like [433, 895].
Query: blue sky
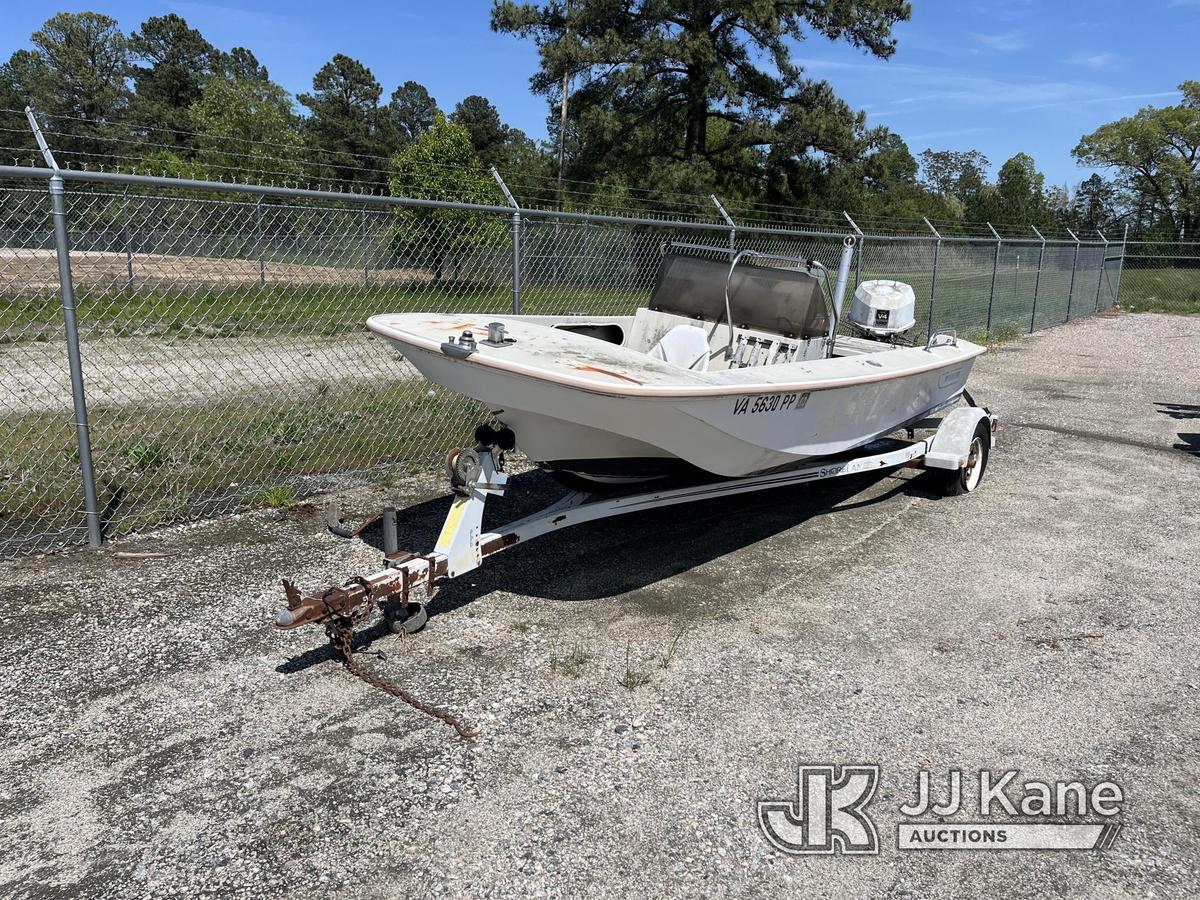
[999, 77]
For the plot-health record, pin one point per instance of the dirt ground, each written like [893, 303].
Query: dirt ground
[125, 371]
[161, 740]
[31, 269]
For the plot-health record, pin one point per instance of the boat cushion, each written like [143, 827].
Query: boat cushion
[768, 298]
[685, 346]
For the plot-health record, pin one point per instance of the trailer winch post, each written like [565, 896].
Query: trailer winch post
[843, 275]
[391, 540]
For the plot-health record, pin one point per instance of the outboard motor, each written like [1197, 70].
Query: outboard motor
[883, 309]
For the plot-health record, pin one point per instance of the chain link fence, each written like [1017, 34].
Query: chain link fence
[1162, 276]
[223, 357]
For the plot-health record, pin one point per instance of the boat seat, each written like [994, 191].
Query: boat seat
[684, 346]
[763, 298]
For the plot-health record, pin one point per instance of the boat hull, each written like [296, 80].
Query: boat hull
[613, 436]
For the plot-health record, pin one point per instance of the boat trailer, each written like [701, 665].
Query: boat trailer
[957, 451]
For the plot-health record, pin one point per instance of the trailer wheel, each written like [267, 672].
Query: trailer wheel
[406, 619]
[966, 479]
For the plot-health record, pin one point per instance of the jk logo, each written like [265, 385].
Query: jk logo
[827, 815]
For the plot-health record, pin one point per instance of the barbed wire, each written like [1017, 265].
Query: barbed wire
[534, 191]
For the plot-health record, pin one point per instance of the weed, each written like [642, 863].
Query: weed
[669, 654]
[572, 663]
[1004, 333]
[633, 678]
[145, 457]
[277, 496]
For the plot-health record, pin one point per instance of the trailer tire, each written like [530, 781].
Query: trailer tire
[967, 479]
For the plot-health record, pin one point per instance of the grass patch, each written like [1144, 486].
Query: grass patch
[668, 656]
[572, 663]
[145, 457]
[277, 496]
[1161, 290]
[633, 678]
[196, 460]
[182, 312]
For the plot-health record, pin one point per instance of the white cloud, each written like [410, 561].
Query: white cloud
[1002, 42]
[1092, 60]
[921, 88]
[927, 136]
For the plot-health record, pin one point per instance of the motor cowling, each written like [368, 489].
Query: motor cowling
[883, 308]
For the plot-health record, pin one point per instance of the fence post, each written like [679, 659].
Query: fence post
[862, 246]
[728, 221]
[937, 252]
[995, 269]
[1103, 263]
[1121, 270]
[125, 232]
[1037, 281]
[516, 242]
[262, 263]
[66, 285]
[1074, 266]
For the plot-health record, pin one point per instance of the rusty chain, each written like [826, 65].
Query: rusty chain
[341, 636]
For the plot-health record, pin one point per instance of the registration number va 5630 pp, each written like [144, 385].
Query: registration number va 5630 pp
[769, 403]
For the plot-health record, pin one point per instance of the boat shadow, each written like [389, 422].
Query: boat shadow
[613, 556]
[609, 557]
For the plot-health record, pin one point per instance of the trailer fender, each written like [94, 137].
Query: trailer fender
[952, 442]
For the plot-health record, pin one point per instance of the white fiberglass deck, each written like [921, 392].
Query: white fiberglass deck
[587, 363]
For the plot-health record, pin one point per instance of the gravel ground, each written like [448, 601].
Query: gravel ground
[162, 740]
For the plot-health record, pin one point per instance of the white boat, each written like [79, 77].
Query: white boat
[734, 367]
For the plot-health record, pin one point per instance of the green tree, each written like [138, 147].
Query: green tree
[1156, 151]
[241, 64]
[411, 112]
[20, 80]
[1095, 203]
[653, 76]
[482, 121]
[247, 129]
[344, 120]
[953, 173]
[889, 188]
[76, 71]
[1018, 198]
[441, 165]
[177, 59]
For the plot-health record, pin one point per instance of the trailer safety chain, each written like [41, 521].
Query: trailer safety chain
[341, 636]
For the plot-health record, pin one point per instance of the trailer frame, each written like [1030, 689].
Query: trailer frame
[956, 449]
